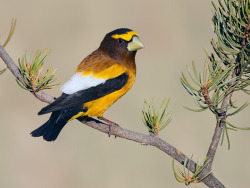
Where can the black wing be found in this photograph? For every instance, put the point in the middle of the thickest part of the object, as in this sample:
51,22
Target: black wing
66,101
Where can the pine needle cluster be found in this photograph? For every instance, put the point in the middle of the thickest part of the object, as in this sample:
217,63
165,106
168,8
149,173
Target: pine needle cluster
227,69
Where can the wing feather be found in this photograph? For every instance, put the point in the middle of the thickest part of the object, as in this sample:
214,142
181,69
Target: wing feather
78,98
80,82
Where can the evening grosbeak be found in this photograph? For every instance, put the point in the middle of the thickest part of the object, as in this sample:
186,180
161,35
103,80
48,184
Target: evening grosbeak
100,80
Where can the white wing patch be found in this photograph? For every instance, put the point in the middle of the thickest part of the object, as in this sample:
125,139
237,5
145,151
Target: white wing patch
79,82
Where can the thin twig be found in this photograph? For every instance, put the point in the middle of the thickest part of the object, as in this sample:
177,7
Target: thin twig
210,181
219,126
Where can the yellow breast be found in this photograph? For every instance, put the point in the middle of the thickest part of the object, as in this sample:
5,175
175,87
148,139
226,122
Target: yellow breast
99,106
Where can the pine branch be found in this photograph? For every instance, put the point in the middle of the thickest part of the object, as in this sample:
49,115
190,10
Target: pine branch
221,120
153,140
44,97
218,129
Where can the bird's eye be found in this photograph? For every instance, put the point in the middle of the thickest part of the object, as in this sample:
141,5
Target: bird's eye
121,41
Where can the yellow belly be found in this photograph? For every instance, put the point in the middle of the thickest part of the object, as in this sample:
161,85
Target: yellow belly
99,106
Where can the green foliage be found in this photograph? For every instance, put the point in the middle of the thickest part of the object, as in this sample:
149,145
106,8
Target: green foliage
185,175
214,79
229,126
12,29
2,71
231,26
228,69
156,120
31,72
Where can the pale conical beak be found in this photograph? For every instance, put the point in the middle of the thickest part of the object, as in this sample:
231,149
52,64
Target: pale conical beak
135,44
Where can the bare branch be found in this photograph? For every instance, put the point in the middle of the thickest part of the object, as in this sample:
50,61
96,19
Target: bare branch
151,140
10,64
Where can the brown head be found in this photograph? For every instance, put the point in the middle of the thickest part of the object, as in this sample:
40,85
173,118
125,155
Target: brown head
121,45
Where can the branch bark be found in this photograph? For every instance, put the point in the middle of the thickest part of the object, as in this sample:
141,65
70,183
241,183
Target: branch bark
218,129
155,141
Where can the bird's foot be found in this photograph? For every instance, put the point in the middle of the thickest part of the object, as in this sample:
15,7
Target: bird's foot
111,124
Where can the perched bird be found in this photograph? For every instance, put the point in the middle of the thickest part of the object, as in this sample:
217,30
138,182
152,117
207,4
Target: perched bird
100,80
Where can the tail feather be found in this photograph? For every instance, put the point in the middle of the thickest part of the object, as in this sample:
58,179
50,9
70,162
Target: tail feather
51,129
58,119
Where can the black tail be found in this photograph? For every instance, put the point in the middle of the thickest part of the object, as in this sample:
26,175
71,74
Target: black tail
51,129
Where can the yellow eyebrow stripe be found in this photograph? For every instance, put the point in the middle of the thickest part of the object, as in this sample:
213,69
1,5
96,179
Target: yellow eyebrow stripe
127,36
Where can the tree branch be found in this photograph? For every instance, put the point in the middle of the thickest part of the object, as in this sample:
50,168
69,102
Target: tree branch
44,97
222,118
218,129
153,140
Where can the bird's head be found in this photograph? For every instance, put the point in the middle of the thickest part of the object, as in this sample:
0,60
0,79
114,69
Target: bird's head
121,42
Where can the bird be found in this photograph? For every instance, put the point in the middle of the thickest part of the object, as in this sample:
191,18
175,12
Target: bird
100,80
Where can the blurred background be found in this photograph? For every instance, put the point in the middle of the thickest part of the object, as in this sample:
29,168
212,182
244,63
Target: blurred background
174,34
